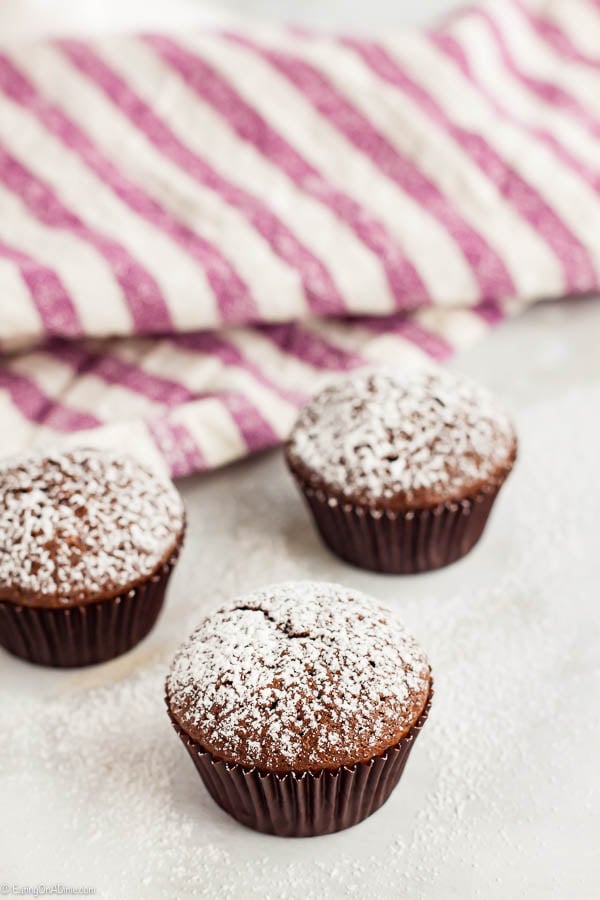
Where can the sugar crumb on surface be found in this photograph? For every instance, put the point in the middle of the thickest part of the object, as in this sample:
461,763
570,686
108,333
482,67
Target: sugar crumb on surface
97,789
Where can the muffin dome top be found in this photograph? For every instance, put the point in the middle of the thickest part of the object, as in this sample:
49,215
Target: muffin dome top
298,676
402,441
82,525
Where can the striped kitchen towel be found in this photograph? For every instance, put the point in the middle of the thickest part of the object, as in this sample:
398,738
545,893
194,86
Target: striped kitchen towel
196,231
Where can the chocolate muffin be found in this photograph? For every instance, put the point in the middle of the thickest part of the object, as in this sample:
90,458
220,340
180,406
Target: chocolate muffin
88,541
299,705
401,471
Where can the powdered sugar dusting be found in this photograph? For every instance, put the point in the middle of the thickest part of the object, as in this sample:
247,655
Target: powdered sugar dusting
500,796
82,524
425,436
298,676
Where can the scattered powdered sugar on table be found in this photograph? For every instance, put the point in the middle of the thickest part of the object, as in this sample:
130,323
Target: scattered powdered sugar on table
82,524
498,796
297,676
379,435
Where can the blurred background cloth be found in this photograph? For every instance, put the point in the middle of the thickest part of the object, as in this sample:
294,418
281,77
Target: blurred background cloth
197,230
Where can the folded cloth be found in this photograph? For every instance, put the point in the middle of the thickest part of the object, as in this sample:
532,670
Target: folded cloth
197,230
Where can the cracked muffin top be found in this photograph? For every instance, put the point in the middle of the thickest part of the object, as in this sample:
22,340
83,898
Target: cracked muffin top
82,525
299,677
403,441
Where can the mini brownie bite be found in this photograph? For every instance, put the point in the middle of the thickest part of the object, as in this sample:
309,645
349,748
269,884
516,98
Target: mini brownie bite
401,471
298,704
88,540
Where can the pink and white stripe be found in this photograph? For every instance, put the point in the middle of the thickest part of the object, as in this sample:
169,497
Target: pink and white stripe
198,231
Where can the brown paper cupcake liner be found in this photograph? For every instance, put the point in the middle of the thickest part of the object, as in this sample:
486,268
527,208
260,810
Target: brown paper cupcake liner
87,634
400,543
306,804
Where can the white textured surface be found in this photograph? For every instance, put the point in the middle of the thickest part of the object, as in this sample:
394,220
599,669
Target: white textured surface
500,799
59,16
